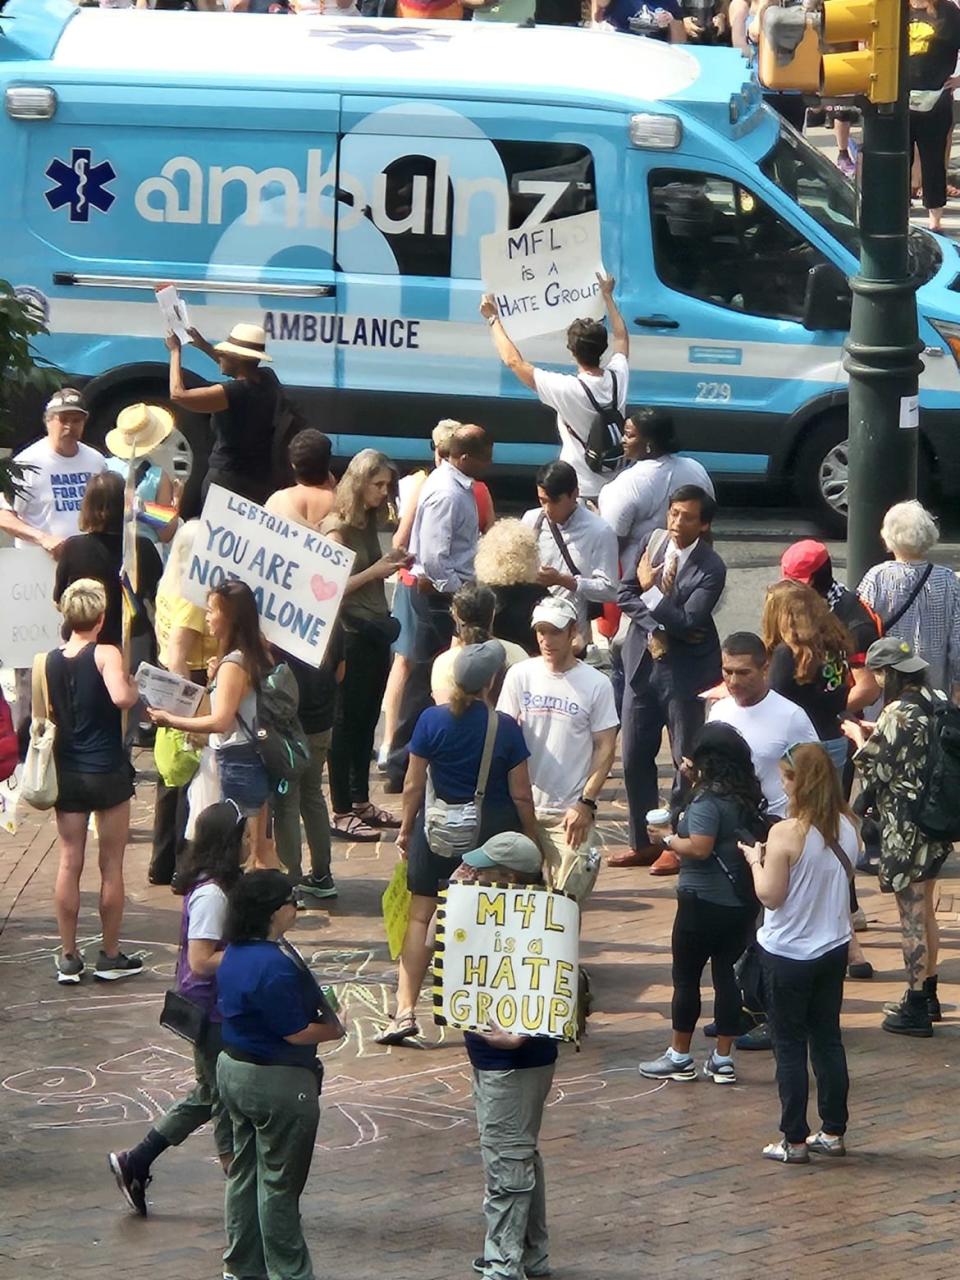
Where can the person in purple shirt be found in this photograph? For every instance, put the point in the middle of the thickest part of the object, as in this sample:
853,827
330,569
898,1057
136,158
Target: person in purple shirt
211,868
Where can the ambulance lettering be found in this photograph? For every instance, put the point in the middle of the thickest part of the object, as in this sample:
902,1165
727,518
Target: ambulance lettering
342,331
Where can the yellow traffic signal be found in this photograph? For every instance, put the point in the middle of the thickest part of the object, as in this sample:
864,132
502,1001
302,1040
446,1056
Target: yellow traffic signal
792,49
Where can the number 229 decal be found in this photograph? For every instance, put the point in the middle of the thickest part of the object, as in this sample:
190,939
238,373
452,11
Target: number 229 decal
721,391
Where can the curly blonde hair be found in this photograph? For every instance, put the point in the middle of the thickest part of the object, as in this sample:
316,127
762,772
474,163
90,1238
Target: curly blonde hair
507,554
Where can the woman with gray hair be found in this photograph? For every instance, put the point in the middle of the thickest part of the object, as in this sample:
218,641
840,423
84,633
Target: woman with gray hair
917,601
368,632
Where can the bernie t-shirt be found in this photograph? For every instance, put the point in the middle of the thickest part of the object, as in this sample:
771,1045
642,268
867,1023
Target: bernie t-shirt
54,487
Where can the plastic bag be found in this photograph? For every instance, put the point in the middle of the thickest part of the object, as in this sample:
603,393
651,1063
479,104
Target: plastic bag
204,790
176,760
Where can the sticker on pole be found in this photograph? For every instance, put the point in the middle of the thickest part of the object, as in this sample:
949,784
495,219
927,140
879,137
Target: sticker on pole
909,412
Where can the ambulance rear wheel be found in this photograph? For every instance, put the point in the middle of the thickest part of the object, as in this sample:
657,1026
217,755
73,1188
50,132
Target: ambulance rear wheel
821,474
183,455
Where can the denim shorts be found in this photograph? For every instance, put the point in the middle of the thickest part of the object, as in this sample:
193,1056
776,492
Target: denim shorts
243,779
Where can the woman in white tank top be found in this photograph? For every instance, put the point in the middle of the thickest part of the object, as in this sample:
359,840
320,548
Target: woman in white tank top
802,877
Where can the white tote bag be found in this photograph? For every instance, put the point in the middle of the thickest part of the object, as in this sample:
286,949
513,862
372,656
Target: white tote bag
204,790
38,784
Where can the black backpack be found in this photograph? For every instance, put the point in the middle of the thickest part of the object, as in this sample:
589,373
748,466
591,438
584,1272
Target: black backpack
603,447
938,806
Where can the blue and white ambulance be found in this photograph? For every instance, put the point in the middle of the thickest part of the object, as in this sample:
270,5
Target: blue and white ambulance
331,180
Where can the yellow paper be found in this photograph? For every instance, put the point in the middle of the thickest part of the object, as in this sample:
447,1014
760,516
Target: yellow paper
396,909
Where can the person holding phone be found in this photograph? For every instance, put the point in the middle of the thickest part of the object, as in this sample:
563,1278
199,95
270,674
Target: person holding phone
716,905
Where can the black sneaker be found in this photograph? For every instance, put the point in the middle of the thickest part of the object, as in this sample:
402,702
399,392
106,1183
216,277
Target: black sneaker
758,1038
133,1188
318,886
69,967
112,968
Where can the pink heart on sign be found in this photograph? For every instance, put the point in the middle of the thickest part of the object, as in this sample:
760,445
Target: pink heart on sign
321,588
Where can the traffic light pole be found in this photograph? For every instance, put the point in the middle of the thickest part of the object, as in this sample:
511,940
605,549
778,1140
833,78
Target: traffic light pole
882,351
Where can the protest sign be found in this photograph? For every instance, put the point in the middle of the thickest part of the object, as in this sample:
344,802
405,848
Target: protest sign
396,909
507,956
173,311
297,575
544,277
29,620
167,691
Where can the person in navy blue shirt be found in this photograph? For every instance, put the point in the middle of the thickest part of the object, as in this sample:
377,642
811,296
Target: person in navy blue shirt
655,19
449,741
512,1078
274,1016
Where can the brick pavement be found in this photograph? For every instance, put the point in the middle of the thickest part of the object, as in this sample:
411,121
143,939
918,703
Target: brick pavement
644,1178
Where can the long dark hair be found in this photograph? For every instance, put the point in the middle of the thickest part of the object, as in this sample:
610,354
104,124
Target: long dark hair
723,766
214,852
473,609
252,902
240,606
897,683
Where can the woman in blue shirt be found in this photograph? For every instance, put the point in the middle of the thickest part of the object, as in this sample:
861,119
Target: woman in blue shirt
269,1078
449,740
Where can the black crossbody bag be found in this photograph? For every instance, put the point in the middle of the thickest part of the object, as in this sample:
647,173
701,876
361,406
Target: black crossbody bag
594,608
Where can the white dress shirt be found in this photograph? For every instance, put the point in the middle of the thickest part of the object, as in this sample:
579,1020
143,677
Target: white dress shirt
592,546
443,541
634,503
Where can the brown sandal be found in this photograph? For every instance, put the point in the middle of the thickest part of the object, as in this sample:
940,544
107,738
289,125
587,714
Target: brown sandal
374,817
402,1027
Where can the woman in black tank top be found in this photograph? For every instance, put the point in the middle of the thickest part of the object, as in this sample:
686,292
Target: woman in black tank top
87,689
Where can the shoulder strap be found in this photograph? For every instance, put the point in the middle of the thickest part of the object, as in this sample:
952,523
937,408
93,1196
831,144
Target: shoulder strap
487,758
836,848
561,542
40,699
598,408
895,617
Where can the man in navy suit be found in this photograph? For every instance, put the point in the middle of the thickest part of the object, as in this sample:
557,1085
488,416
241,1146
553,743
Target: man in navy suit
670,656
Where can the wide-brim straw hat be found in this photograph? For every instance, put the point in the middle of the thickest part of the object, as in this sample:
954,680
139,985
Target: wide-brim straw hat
140,429
248,341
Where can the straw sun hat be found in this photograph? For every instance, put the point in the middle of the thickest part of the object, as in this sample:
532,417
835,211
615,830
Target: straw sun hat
140,429
248,341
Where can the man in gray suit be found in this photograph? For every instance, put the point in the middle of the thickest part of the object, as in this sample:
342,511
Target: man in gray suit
671,655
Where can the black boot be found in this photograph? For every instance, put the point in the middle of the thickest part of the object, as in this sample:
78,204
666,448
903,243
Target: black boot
933,1000
912,1018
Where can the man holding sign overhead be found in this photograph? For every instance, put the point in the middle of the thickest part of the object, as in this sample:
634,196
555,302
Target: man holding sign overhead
596,392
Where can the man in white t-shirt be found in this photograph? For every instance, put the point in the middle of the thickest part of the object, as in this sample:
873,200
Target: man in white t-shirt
567,393
769,722
56,471
569,721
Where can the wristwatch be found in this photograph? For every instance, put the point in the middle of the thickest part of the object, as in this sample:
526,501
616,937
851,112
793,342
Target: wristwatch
667,841
591,804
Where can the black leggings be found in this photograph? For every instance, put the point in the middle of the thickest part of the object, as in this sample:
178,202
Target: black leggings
703,931
929,131
359,698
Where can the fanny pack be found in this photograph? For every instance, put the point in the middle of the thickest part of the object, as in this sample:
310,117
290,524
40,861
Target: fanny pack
452,830
924,99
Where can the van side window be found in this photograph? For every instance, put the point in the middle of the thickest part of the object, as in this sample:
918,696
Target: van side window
424,204
719,242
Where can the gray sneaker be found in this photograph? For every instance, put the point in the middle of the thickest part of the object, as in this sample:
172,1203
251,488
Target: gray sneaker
666,1069
317,887
719,1072
825,1144
69,967
112,968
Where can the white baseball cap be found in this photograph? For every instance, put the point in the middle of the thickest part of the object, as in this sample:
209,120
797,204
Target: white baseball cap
556,611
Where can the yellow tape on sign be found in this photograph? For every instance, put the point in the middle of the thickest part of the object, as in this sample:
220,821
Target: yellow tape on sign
396,909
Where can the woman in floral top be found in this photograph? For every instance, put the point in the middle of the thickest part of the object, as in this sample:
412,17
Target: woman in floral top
893,764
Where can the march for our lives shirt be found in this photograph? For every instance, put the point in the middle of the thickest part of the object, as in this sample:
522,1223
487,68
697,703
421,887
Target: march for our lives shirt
559,713
54,487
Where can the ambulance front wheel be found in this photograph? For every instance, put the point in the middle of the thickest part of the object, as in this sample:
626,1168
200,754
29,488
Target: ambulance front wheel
183,455
821,474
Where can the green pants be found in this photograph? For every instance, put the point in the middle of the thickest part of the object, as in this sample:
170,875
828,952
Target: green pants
304,798
202,1103
509,1113
275,1111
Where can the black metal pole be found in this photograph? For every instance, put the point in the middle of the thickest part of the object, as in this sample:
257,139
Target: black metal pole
882,351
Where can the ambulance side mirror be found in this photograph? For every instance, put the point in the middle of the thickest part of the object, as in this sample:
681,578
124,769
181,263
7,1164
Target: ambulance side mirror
828,300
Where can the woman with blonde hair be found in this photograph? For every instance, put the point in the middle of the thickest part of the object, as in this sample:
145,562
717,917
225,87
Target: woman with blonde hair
802,877
368,632
87,688
508,560
917,601
809,650
473,609
450,742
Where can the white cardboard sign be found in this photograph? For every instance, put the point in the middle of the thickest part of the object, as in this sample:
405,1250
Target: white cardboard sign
297,575
507,956
29,620
544,277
